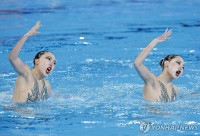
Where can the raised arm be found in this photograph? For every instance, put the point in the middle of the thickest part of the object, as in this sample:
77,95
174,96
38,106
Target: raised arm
16,62
143,71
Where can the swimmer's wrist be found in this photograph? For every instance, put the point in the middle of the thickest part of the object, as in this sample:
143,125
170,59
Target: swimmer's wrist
156,40
27,35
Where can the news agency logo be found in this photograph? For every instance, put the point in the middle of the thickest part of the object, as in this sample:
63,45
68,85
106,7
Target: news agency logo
146,126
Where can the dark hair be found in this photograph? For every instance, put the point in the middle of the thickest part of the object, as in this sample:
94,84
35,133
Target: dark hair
167,58
38,55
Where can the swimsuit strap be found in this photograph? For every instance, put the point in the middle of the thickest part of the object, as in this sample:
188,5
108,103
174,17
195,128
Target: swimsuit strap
173,93
164,95
44,94
35,91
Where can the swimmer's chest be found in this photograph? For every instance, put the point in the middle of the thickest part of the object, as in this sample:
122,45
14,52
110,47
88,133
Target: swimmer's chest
164,88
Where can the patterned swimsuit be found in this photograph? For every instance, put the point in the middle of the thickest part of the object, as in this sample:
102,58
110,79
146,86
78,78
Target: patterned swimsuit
36,95
164,95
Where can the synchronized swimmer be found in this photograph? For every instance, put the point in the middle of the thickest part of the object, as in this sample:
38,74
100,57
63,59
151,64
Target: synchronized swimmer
30,84
160,88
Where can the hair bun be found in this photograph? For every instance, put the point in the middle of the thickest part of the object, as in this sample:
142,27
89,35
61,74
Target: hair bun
162,63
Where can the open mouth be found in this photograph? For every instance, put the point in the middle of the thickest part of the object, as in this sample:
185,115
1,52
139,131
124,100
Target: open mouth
178,73
48,70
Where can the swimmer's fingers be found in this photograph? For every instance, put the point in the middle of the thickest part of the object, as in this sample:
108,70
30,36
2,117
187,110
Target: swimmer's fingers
165,36
37,32
33,29
168,38
167,33
38,25
166,30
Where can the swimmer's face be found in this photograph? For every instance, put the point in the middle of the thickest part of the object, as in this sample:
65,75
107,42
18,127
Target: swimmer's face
46,63
175,67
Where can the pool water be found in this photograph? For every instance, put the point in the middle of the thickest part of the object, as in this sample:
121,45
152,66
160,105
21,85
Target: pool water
97,89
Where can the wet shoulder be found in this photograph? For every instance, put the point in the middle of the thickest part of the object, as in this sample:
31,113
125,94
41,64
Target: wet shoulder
151,92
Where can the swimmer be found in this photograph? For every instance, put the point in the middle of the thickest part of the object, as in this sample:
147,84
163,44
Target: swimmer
30,84
160,88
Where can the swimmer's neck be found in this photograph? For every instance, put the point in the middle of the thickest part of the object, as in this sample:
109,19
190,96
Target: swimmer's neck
165,78
37,74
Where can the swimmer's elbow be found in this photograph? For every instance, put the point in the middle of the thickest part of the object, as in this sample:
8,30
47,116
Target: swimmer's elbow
11,58
136,64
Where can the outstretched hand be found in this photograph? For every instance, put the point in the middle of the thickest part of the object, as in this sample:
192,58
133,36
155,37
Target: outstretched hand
165,36
33,29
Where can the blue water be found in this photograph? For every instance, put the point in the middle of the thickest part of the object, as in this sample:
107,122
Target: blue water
95,43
